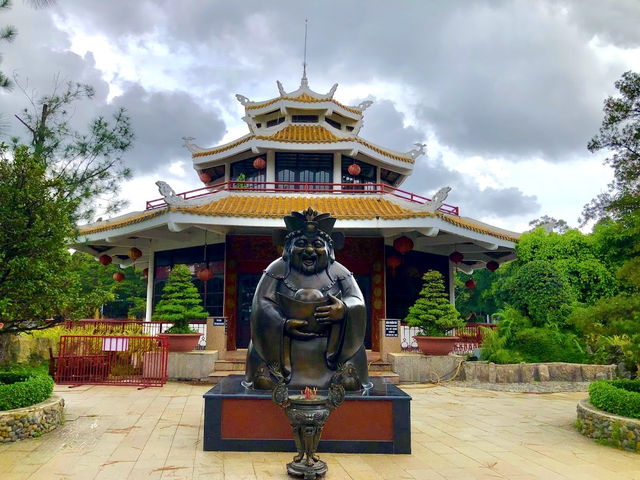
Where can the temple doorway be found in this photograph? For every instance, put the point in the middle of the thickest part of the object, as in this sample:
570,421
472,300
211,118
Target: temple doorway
247,283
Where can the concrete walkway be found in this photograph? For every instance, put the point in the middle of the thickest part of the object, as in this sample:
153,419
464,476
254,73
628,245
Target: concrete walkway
458,433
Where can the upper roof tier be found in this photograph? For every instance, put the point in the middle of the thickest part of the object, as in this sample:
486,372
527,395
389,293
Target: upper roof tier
302,120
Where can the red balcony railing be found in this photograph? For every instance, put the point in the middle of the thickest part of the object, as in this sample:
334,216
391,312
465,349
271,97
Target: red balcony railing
302,187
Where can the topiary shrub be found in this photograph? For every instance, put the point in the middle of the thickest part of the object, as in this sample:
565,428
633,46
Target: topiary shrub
23,388
620,397
433,313
180,301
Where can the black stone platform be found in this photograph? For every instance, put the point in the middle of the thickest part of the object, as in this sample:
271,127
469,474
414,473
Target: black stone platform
240,419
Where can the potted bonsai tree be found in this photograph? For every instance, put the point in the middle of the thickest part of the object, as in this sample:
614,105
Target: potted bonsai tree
179,303
434,316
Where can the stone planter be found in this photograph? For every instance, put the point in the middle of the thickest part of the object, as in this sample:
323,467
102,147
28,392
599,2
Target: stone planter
621,432
181,342
436,345
31,421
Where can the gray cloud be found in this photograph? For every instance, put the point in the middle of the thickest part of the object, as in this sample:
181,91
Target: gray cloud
613,22
160,120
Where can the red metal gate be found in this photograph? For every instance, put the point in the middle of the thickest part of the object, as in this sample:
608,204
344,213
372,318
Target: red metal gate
111,360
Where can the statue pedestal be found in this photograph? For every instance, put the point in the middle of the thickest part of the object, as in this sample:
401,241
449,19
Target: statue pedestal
239,419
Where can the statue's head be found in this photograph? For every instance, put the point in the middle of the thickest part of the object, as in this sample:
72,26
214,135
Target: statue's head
308,246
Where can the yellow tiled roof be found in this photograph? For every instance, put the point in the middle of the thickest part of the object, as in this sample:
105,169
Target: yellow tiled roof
302,134
108,225
343,207
304,98
305,134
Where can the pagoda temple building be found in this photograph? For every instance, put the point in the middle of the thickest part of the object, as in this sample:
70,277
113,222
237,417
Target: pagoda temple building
303,150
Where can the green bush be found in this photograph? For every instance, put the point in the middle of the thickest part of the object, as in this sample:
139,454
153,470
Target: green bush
547,345
620,397
22,388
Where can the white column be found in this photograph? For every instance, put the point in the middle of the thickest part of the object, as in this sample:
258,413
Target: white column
150,278
271,166
337,169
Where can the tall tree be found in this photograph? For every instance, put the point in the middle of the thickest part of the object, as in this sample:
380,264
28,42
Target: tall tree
36,290
89,165
620,135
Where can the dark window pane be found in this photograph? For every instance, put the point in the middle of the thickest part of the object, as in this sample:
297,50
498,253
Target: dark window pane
250,173
304,118
310,168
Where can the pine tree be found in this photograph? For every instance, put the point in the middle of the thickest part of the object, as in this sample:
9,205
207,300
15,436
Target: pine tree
432,313
180,301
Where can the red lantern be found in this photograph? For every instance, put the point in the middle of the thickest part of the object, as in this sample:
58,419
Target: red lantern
393,262
492,266
134,253
470,284
145,272
403,244
205,177
105,260
259,163
205,275
118,276
456,257
354,169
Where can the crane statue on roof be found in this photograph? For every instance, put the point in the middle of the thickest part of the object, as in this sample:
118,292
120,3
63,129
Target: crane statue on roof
437,200
169,194
416,152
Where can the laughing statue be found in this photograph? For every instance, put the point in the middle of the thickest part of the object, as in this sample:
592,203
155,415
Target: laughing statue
308,316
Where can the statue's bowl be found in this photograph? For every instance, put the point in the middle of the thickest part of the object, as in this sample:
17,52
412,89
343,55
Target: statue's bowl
293,308
300,400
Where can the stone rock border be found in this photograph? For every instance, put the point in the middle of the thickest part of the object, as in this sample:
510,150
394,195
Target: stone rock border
535,372
32,421
622,432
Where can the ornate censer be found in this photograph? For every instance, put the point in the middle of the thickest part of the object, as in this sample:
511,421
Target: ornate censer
307,412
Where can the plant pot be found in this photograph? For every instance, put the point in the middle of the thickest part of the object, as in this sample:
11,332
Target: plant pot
436,345
181,342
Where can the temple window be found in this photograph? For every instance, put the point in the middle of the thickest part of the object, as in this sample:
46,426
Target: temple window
312,168
247,173
304,118
275,121
333,123
388,176
349,129
368,173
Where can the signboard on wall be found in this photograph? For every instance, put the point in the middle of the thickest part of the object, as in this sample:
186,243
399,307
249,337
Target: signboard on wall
391,327
219,321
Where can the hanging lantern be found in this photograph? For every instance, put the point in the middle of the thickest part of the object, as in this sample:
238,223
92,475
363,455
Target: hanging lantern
205,275
470,284
354,169
456,257
118,276
492,266
105,260
259,163
393,262
205,177
403,244
145,272
134,253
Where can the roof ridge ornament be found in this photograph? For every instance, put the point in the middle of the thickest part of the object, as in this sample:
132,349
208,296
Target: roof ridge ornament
364,105
169,194
437,200
281,89
192,147
244,101
416,152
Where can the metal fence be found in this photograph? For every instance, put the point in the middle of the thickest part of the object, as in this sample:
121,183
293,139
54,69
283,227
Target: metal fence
111,360
144,328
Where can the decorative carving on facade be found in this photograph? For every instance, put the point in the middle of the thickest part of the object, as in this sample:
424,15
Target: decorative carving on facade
169,194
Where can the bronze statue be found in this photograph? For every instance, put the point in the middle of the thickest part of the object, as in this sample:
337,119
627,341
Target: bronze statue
308,315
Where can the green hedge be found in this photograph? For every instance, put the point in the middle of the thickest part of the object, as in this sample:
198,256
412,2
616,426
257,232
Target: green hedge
23,388
620,397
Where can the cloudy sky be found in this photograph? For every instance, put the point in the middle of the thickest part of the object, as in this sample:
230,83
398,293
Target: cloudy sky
505,93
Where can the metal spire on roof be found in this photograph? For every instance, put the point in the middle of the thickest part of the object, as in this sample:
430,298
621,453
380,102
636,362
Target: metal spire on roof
304,82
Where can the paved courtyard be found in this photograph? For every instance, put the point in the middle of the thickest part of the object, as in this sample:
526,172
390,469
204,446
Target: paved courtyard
458,433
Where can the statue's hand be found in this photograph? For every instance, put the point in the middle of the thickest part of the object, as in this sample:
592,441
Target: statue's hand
292,326
331,313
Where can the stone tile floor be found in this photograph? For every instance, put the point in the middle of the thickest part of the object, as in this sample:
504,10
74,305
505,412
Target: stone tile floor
458,433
